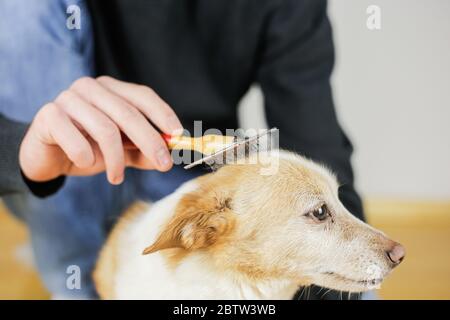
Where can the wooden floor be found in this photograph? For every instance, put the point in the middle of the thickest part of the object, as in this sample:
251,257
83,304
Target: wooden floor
423,228
18,280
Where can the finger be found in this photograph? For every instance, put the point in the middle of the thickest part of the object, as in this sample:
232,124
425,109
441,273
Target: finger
101,129
135,158
98,166
67,136
129,119
147,101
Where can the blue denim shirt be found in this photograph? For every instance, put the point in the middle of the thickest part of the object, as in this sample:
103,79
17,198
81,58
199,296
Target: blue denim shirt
39,58
39,55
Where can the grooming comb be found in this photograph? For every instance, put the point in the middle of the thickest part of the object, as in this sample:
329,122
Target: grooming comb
218,148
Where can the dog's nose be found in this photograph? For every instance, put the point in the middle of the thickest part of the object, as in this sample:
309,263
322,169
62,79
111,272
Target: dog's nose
396,253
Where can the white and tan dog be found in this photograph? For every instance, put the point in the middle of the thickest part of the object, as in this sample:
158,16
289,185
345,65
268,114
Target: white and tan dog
237,234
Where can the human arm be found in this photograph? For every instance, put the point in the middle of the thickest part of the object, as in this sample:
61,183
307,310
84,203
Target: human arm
295,77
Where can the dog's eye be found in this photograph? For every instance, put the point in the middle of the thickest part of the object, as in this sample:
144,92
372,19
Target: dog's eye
321,213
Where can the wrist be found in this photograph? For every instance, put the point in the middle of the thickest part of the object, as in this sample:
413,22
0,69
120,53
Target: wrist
44,189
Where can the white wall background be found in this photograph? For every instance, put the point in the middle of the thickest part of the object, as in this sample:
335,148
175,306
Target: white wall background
392,93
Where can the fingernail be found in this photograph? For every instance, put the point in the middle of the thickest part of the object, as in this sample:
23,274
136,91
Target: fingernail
174,125
118,180
164,158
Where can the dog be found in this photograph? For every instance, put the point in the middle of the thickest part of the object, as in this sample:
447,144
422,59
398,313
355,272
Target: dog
239,234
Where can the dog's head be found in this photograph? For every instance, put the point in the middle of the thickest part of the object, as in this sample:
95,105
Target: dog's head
289,225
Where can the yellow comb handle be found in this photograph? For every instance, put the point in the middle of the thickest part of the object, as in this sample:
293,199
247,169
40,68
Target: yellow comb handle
206,145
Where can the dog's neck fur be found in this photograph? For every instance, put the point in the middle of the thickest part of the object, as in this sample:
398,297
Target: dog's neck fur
193,277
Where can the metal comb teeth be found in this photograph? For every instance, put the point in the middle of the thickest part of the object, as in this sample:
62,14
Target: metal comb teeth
241,148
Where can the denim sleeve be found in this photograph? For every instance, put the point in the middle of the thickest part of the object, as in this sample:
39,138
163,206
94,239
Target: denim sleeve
39,55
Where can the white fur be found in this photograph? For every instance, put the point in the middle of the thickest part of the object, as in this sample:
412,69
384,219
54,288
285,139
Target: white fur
148,276
275,235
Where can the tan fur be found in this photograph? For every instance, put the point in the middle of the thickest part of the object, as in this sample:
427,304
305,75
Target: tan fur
199,222
259,228
200,206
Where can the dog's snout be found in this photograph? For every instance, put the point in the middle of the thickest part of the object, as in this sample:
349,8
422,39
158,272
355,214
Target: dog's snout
396,253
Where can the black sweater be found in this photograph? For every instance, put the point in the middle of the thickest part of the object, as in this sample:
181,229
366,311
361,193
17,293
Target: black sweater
201,56
11,134
11,178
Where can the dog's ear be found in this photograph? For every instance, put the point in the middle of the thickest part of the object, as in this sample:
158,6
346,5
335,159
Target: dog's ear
200,221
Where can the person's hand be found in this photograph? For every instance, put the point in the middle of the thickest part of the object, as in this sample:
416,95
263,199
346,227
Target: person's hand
97,125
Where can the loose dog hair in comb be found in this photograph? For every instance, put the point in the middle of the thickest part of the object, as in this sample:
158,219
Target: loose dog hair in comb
219,150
